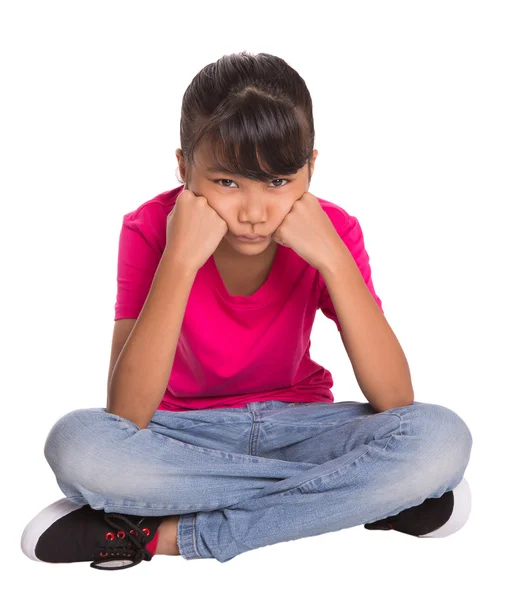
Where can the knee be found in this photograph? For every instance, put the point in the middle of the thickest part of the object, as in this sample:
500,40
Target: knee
64,445
80,441
444,431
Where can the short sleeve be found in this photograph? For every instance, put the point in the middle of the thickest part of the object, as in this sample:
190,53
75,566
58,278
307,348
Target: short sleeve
138,258
350,232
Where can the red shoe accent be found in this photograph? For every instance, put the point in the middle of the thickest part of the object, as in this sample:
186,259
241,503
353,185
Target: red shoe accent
152,546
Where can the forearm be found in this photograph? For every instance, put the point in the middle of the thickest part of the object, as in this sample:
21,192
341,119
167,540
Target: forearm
377,358
143,368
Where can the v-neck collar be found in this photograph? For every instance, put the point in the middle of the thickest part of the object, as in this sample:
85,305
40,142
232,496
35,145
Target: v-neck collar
262,295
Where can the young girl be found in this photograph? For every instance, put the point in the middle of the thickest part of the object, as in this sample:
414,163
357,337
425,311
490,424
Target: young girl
220,433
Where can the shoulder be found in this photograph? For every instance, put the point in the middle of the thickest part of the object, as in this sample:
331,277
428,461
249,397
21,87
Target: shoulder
343,221
150,218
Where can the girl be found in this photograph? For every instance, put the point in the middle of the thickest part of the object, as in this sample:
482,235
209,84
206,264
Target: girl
220,433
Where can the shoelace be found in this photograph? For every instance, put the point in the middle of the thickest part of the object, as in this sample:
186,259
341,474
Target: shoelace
117,547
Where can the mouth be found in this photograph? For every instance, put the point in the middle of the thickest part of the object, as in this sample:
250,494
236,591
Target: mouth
245,238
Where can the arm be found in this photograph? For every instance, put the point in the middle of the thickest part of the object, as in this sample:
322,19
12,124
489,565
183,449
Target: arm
121,331
143,369
377,358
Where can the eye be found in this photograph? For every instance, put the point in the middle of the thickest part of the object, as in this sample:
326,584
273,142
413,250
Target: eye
286,180
217,180
274,180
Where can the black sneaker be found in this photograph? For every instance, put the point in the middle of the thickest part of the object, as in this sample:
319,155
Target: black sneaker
421,519
435,517
66,532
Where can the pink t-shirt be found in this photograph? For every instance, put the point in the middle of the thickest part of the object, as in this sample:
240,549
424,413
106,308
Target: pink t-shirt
233,350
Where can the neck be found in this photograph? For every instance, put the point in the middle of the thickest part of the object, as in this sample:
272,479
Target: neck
227,252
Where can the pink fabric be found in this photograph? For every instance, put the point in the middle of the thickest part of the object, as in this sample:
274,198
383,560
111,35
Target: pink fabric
233,350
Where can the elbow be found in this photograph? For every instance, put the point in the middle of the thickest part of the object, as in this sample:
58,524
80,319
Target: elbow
134,417
395,401
140,424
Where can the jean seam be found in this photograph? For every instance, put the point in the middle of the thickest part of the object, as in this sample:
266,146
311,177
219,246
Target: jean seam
194,534
326,475
187,547
400,432
178,536
170,439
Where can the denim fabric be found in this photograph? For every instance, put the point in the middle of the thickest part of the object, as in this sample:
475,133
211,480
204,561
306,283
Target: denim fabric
243,478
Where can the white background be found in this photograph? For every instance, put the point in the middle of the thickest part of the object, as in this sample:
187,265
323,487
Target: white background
414,120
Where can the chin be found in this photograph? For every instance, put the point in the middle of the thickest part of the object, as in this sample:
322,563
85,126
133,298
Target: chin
250,248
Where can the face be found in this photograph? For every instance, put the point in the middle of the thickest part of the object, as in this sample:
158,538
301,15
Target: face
250,208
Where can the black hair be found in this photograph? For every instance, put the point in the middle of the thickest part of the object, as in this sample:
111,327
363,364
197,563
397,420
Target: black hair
253,112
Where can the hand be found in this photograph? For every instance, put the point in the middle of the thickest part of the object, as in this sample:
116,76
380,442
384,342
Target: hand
308,231
193,230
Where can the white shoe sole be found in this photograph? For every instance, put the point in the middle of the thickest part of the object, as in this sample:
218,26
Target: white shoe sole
460,513
41,522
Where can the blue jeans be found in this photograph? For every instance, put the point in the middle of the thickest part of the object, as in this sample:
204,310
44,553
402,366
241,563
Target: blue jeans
243,478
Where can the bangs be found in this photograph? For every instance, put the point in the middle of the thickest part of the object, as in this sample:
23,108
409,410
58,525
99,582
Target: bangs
256,136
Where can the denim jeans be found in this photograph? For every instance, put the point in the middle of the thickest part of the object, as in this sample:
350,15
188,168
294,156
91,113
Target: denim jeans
273,471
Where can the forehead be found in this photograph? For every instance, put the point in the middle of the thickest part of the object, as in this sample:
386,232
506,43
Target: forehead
207,163
210,165
212,168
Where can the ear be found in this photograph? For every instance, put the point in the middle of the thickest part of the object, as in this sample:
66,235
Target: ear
312,164
180,161
312,160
